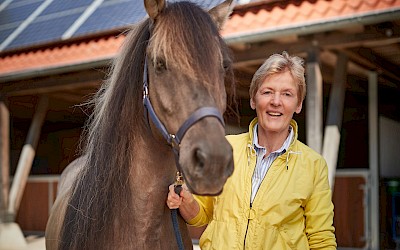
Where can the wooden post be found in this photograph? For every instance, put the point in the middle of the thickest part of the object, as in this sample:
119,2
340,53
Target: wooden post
373,129
26,158
314,102
334,118
4,158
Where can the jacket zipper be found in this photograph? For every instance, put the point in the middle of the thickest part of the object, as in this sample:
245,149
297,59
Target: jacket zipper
247,228
251,152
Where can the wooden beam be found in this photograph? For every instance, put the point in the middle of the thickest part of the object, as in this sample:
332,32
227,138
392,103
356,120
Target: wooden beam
369,59
27,156
4,158
70,97
39,90
50,84
372,35
314,101
258,53
334,118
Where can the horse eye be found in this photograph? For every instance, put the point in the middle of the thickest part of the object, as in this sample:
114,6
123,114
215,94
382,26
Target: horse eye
160,66
226,64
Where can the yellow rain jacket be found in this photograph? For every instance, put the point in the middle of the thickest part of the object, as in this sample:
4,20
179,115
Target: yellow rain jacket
291,210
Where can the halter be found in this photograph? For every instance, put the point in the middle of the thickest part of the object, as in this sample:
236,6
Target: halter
174,140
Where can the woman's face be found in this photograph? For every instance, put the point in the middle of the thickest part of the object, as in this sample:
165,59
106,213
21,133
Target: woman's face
275,102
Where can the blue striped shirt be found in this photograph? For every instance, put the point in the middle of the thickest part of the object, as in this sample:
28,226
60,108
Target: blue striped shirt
264,163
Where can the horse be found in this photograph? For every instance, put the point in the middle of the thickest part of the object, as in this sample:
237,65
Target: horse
159,109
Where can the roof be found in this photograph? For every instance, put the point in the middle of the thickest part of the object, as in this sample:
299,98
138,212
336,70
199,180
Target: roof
257,20
264,17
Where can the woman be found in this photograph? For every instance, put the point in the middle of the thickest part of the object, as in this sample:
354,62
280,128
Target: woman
278,196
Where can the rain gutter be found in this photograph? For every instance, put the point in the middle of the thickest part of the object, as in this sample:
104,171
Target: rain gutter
305,28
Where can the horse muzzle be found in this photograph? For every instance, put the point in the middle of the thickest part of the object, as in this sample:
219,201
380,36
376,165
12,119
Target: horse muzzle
206,159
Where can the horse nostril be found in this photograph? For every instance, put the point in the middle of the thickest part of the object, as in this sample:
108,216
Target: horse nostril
200,158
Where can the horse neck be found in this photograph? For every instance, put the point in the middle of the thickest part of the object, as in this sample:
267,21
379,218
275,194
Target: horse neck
155,164
149,181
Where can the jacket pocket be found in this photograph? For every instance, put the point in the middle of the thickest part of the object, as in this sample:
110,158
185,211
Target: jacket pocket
287,239
219,235
277,238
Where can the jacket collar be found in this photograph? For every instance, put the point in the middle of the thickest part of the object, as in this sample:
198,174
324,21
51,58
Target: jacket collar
253,123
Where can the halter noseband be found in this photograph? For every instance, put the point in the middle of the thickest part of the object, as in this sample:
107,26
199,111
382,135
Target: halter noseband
174,140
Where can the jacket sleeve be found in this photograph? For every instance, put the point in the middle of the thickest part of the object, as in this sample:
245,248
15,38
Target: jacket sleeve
319,211
206,204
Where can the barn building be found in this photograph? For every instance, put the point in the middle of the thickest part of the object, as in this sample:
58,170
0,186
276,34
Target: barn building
55,54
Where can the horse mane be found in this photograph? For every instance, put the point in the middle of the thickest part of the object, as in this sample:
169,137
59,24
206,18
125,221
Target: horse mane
101,192
101,197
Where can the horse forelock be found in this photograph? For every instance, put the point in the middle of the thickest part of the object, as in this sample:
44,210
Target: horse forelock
185,36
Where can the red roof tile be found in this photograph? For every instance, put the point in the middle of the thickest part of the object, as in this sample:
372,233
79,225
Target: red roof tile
61,56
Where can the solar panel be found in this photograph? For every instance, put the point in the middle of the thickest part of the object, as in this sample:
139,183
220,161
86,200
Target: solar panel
17,12
113,14
5,33
206,4
52,22
62,19
25,1
44,31
61,6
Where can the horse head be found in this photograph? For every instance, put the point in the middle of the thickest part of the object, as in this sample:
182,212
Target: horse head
187,68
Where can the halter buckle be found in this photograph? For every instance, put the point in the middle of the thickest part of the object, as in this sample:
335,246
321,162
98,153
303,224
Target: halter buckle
179,181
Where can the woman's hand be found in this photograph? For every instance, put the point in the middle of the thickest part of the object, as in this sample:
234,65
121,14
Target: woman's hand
175,201
188,206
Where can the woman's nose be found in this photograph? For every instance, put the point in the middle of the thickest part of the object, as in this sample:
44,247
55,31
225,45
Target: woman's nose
275,99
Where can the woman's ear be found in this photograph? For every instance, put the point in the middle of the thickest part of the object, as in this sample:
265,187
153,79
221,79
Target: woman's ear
298,109
252,104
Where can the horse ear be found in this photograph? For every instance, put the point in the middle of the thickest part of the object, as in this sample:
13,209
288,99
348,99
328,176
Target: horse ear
154,7
221,12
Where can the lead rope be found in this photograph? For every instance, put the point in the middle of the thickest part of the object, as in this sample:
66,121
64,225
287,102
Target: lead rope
174,212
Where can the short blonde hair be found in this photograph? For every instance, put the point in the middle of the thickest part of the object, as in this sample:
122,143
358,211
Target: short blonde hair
279,63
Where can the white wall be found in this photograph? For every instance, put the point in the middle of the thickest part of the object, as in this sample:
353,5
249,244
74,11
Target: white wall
389,147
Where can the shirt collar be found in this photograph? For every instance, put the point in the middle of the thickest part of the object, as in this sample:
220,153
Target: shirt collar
284,147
